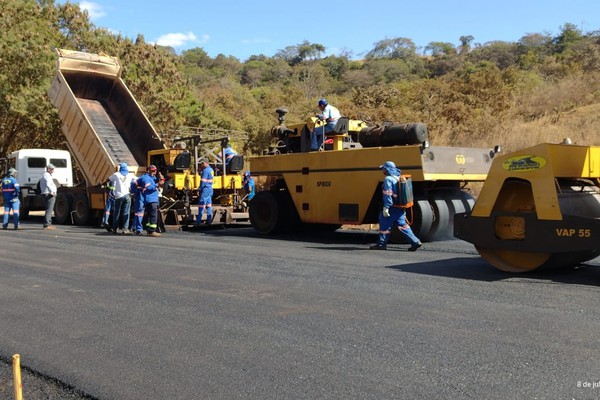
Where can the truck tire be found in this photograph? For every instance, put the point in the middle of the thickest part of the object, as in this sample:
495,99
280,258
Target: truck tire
62,208
81,209
288,220
264,213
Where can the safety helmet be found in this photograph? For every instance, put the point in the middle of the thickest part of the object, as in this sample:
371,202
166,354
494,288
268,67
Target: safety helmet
12,172
390,168
247,174
151,168
322,102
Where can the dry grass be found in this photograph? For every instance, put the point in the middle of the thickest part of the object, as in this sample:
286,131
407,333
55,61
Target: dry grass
581,125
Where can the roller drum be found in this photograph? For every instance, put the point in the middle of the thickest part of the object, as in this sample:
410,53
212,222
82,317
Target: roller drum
393,135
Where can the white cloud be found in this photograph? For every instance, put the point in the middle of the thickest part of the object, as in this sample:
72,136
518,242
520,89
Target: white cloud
95,10
179,39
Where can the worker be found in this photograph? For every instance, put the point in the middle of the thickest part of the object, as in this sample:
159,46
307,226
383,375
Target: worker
121,181
109,206
249,186
48,191
138,207
229,154
392,212
10,194
329,115
149,185
205,192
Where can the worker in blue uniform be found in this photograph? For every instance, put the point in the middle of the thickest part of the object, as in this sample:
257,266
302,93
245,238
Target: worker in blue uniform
229,154
149,185
10,194
138,207
205,192
393,212
249,185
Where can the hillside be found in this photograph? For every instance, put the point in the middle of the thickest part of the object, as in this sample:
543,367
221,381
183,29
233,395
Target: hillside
581,125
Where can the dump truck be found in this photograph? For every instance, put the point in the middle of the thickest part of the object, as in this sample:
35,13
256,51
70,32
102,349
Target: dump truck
538,209
104,126
341,184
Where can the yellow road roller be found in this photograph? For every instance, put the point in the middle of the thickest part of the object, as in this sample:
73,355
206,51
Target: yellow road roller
539,208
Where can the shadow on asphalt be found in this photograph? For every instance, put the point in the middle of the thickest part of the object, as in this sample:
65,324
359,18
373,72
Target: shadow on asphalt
336,237
474,268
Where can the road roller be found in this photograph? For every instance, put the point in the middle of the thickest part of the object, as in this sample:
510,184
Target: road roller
539,208
341,183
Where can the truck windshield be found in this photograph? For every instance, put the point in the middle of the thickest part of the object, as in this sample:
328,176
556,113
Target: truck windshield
59,162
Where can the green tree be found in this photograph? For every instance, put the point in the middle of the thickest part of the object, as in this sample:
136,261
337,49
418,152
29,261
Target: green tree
503,54
465,44
438,49
403,48
26,63
304,51
569,36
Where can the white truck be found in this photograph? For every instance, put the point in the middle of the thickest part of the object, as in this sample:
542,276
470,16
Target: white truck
31,164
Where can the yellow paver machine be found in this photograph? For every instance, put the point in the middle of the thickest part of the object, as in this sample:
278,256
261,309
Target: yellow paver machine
539,208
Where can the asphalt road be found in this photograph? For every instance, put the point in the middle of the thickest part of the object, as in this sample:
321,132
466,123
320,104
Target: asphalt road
224,314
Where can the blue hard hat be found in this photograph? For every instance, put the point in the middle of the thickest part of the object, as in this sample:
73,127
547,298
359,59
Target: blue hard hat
390,168
322,102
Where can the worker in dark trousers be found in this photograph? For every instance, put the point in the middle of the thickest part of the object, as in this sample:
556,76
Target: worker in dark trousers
392,212
149,187
138,207
109,206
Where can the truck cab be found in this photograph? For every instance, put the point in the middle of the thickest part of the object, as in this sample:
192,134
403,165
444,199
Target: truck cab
31,164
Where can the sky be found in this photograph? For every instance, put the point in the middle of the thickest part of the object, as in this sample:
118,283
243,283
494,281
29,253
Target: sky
252,27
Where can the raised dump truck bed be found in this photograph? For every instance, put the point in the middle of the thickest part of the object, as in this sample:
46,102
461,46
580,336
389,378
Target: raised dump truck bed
103,126
102,122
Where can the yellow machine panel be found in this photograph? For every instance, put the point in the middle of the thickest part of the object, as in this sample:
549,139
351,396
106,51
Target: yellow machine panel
539,207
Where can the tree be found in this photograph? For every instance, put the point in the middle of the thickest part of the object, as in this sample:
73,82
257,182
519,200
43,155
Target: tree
503,54
26,65
465,44
403,48
439,49
304,51
569,36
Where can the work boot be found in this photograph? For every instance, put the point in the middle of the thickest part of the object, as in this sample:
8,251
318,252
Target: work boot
378,247
17,227
414,247
154,234
49,227
5,227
